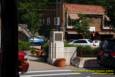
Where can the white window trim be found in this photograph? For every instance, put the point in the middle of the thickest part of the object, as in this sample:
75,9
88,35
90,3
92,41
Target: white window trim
106,27
70,26
57,21
48,20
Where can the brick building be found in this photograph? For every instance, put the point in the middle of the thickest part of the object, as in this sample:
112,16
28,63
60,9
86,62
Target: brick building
60,15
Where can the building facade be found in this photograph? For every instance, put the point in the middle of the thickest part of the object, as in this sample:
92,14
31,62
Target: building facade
60,15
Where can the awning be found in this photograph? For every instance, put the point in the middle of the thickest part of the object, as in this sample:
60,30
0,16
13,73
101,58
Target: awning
72,32
74,16
106,33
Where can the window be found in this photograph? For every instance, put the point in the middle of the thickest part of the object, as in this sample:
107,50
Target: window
92,41
76,42
107,24
80,41
48,21
57,21
71,22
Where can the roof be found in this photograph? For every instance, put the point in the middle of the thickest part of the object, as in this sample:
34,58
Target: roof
84,9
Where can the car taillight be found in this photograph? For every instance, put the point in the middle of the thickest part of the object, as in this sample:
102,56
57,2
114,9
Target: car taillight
113,54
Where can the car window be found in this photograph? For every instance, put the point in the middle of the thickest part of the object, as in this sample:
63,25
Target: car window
80,41
77,41
90,41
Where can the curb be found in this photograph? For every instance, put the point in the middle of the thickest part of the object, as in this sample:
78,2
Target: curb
82,62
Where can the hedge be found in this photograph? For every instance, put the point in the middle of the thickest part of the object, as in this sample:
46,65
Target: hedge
86,51
23,45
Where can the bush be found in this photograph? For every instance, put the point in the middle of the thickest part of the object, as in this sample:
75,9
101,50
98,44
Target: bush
33,50
46,46
86,51
23,45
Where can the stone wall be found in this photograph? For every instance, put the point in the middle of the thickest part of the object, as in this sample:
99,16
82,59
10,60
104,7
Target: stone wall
69,54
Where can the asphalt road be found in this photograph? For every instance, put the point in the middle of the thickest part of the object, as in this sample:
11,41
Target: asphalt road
69,73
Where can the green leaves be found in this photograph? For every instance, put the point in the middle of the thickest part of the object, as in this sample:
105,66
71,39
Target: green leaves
87,51
82,26
29,13
23,45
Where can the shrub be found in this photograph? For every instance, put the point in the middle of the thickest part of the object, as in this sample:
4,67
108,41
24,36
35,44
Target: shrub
86,51
33,50
46,46
23,45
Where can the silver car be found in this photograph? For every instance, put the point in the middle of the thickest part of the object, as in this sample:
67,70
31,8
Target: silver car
82,42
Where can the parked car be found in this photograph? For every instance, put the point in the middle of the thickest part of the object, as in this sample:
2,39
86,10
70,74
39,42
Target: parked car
83,42
106,53
23,63
39,40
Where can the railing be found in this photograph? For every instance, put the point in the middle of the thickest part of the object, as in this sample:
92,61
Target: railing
25,31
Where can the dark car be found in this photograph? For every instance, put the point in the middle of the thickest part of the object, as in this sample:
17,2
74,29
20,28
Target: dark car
106,54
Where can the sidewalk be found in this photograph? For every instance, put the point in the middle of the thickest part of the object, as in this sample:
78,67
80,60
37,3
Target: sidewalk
35,66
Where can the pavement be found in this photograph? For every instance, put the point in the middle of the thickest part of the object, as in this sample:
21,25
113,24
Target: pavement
36,63
41,69
39,65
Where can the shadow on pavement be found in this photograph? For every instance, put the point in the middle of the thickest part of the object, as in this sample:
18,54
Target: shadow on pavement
93,65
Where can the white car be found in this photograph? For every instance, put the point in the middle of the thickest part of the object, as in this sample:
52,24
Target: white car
82,42
96,43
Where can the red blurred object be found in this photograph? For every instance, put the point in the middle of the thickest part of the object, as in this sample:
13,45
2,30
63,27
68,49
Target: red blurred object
113,54
101,53
23,63
21,55
24,67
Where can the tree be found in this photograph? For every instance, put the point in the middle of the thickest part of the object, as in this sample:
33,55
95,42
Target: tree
45,30
82,27
29,12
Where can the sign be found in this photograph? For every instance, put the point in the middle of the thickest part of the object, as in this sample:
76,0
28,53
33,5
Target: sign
92,29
